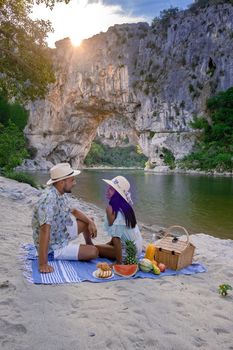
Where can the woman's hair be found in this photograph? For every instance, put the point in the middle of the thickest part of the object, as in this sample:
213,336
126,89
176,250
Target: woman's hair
117,203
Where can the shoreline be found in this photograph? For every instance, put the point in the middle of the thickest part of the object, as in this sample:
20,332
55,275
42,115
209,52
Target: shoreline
170,313
157,170
163,170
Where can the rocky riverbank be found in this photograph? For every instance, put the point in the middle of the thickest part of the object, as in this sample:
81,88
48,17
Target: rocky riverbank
30,165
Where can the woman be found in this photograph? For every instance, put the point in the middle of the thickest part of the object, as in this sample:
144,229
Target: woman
120,222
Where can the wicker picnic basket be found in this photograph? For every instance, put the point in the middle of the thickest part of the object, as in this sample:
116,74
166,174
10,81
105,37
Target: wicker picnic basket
174,252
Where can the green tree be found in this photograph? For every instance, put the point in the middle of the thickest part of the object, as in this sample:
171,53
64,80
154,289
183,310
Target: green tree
95,154
12,147
100,154
25,60
165,17
198,4
214,151
14,112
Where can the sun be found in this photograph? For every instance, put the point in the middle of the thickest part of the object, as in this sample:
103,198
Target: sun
75,40
78,19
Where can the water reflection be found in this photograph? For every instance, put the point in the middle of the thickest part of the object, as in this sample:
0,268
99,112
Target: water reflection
200,203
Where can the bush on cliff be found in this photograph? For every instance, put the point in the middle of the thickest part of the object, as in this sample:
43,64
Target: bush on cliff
214,151
199,4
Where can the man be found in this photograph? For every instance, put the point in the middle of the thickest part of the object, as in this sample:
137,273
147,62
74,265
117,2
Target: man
55,223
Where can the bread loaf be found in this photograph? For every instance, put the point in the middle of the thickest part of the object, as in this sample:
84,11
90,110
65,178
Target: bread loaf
103,274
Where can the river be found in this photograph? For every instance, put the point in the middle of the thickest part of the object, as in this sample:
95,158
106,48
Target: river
197,202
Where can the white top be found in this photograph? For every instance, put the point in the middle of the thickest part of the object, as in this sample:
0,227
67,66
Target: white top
119,229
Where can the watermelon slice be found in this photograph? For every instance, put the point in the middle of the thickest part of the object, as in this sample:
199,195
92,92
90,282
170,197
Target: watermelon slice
125,270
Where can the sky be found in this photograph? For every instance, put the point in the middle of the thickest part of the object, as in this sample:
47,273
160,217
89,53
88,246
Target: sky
81,19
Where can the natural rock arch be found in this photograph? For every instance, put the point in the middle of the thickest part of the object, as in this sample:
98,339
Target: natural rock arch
154,81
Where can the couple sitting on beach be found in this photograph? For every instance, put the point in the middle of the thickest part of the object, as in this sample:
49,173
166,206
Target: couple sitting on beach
55,224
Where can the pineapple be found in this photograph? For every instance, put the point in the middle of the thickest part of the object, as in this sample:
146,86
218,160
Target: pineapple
131,251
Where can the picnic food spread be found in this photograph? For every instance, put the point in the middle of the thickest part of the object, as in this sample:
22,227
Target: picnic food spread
168,252
126,270
150,251
131,250
104,270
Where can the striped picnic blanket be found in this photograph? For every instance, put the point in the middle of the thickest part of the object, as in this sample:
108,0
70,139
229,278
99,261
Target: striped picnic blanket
79,271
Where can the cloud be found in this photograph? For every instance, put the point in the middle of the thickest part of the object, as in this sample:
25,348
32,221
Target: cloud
81,19
146,8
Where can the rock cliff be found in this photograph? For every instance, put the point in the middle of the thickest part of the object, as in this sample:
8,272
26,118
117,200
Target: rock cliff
135,82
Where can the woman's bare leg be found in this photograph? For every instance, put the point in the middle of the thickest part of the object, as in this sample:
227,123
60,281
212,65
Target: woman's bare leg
106,251
111,251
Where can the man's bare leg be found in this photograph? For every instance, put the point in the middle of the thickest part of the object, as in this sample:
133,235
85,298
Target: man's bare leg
87,252
83,228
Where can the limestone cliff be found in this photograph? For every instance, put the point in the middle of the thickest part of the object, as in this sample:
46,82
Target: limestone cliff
153,79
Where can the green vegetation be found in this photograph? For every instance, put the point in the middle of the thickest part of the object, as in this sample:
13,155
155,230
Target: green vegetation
224,288
13,145
100,154
14,112
151,134
199,4
165,16
25,72
169,158
214,151
25,60
164,19
21,177
139,149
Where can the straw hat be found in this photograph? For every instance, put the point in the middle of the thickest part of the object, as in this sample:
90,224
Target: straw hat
61,171
121,185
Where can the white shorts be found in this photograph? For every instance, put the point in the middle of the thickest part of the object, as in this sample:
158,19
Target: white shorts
69,252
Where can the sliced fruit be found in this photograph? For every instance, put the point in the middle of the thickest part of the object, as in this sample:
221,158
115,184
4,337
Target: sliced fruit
125,270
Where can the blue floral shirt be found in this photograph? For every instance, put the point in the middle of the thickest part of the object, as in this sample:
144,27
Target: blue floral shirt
53,209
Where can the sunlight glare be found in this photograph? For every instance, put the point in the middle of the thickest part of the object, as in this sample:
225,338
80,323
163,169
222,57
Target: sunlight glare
81,20
75,41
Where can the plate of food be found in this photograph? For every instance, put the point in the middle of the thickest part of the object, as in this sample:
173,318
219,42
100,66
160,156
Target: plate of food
102,275
103,271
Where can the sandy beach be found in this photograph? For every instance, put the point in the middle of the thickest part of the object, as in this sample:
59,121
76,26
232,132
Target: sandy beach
172,313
